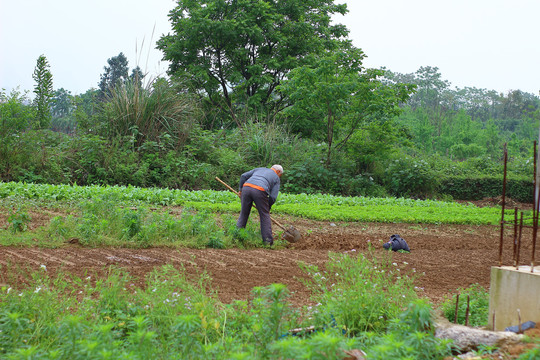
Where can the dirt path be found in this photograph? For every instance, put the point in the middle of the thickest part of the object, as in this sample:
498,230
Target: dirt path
450,256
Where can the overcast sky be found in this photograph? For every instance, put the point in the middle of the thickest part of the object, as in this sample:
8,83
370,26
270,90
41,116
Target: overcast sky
491,44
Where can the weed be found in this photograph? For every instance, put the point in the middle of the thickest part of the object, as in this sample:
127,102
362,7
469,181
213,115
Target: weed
411,336
132,223
486,349
172,316
19,220
532,354
216,242
373,288
478,306
247,237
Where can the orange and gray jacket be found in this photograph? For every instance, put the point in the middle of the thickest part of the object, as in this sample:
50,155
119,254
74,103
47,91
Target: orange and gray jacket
263,179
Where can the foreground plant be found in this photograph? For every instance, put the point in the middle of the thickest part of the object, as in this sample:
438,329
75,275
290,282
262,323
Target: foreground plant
411,336
359,293
173,316
478,306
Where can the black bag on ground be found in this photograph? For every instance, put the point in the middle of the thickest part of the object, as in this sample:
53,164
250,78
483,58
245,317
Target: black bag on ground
396,243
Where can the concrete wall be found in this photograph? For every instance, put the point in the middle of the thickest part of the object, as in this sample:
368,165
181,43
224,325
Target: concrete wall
511,290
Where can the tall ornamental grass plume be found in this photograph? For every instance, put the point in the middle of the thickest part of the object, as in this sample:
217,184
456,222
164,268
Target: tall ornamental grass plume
359,293
156,112
267,143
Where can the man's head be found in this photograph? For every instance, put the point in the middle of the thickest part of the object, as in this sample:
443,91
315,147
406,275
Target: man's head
278,169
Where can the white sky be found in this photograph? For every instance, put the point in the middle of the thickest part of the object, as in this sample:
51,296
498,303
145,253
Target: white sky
492,44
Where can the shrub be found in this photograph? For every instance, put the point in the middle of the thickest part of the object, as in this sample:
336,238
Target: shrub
478,306
410,337
405,177
360,293
483,186
147,113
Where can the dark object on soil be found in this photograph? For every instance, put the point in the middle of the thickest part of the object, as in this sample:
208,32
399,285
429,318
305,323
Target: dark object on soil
396,243
522,327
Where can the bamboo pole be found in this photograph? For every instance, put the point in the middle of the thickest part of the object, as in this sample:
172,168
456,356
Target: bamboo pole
536,202
467,311
519,241
515,234
456,311
503,205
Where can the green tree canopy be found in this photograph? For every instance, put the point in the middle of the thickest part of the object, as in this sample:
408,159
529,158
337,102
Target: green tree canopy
335,97
16,113
44,92
62,103
235,53
115,72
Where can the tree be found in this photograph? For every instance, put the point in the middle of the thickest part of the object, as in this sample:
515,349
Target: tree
116,72
44,92
87,110
62,103
137,76
235,53
336,96
16,114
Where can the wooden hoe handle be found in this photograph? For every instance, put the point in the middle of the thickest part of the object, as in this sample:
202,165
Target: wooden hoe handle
230,188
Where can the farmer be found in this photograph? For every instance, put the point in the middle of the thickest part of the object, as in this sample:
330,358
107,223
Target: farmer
260,185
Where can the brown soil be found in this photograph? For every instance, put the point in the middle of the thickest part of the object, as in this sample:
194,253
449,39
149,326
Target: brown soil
448,257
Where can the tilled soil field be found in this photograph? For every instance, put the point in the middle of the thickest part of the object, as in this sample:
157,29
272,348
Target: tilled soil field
446,257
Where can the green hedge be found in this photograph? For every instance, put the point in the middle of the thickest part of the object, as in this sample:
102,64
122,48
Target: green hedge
480,187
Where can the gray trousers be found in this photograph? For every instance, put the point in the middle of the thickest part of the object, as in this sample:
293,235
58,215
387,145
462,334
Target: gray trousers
260,198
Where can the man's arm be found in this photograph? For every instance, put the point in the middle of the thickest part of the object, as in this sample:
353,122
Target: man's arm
274,192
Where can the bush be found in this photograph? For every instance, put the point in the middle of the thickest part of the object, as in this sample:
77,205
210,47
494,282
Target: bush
35,156
359,293
478,306
310,175
412,337
147,113
409,177
483,186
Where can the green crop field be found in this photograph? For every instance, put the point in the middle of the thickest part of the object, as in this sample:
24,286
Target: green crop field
61,316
